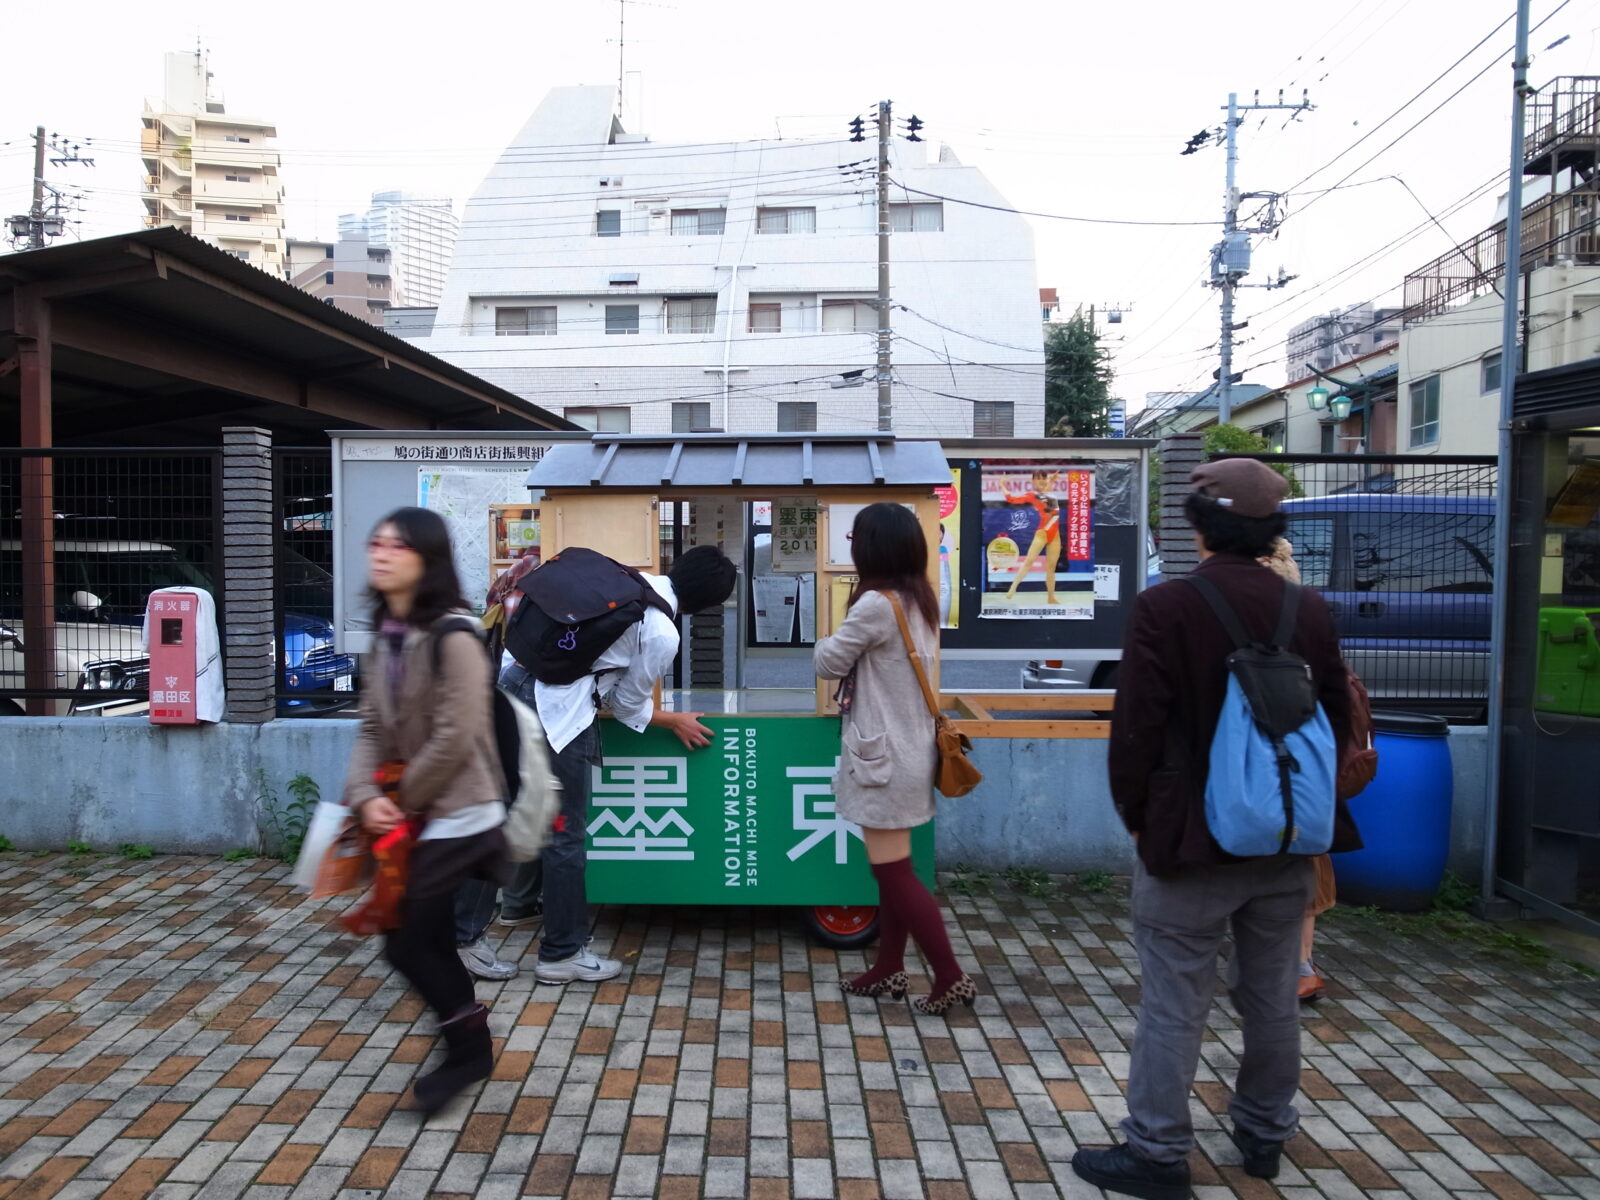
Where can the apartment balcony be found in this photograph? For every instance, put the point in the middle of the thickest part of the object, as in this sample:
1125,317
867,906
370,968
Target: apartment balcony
1558,229
1563,127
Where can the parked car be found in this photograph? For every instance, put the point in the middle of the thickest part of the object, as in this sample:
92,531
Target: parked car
102,587
1410,579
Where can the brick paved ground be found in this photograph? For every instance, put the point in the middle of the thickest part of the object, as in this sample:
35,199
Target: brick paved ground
188,1027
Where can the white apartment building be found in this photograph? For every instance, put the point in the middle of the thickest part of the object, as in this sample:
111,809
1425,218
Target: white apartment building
209,172
648,287
419,231
1450,364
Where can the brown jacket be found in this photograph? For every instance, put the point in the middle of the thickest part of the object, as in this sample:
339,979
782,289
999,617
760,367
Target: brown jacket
439,726
1170,690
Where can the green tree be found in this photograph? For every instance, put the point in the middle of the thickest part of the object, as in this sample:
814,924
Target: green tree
1231,439
1077,381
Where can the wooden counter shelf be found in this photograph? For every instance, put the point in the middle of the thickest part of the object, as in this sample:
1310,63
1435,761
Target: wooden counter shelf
973,713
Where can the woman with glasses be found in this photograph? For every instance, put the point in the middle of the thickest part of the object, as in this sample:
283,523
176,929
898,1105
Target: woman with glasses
424,757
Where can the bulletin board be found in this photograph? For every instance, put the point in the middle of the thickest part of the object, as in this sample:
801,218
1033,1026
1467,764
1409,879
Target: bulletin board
1007,499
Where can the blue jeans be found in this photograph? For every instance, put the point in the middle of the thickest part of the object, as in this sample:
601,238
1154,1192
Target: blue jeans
558,872
476,900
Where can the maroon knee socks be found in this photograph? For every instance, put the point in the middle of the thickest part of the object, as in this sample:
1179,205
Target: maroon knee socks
905,907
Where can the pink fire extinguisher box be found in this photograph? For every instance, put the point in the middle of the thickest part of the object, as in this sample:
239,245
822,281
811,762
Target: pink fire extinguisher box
180,631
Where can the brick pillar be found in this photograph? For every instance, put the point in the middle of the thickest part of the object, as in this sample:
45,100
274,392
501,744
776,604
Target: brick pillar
248,515
1180,454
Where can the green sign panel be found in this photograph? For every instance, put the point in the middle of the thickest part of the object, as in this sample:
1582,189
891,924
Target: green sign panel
748,819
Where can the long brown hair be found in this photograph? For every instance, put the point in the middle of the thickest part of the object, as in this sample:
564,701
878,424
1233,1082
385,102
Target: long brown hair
890,552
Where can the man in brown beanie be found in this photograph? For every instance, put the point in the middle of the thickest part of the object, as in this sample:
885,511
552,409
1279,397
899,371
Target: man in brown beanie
1188,893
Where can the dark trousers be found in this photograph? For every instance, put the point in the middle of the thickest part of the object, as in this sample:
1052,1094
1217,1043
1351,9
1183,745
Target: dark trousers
1178,927
423,949
558,872
475,903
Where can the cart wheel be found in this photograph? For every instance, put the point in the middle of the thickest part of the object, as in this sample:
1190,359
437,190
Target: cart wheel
843,926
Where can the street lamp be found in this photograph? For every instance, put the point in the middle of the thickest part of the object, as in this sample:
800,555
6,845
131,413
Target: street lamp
1340,408
1317,398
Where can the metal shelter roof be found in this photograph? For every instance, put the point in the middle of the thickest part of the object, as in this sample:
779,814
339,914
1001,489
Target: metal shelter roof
776,462
160,338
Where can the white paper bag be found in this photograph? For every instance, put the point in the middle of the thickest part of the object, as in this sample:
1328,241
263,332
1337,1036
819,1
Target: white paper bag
326,822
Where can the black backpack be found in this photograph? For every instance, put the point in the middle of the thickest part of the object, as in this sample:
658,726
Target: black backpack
573,607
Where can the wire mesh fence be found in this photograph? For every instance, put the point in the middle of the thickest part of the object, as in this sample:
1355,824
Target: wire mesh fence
124,523
1402,549
313,677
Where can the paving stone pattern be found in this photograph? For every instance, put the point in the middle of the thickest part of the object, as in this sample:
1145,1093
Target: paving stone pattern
188,1027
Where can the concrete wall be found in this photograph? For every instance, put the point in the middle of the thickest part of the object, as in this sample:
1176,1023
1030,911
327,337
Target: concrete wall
107,782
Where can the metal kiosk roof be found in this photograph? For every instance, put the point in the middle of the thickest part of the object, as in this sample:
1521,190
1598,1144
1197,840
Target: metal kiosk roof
723,462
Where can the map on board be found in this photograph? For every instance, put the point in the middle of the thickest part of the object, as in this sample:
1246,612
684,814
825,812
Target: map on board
462,496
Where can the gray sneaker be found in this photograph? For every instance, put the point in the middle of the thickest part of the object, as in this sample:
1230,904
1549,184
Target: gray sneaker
482,961
585,965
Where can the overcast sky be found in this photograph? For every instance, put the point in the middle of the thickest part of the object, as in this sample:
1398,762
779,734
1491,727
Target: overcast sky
1071,108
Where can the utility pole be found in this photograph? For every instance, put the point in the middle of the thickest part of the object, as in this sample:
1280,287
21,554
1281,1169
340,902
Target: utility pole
885,403
33,229
914,123
1230,258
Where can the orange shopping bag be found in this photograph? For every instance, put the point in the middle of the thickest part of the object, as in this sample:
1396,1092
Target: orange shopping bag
344,865
380,911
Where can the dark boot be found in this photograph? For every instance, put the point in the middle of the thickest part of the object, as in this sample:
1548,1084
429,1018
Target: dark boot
1261,1157
1120,1169
469,1057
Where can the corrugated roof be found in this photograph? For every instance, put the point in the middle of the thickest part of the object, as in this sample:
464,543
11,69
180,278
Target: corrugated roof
710,461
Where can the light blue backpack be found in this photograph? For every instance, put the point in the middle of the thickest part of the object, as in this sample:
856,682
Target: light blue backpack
1274,760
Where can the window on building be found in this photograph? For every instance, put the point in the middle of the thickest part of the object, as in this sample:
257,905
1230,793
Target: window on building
600,420
916,218
327,278
1329,439
703,221
234,137
993,418
797,416
1425,412
848,316
692,314
535,321
235,216
766,318
244,254
1491,372
329,253
1273,436
691,416
608,222
238,178
622,318
786,220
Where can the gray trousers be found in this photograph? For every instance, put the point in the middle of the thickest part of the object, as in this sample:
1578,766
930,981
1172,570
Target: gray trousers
1178,926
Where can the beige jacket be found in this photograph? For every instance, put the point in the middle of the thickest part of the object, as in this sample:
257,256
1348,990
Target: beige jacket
439,726
887,758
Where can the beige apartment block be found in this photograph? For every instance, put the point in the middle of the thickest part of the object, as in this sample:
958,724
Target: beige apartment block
209,172
350,274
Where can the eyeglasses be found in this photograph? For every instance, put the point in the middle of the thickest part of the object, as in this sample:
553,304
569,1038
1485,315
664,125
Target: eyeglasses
376,544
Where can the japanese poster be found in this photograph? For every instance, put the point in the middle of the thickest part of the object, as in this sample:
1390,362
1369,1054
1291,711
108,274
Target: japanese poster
749,819
1038,541
794,534
950,552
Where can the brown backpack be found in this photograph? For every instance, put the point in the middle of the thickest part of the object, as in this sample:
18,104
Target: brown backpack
1359,762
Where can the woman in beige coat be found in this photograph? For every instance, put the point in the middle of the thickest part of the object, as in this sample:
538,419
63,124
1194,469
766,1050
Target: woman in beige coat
884,781
425,714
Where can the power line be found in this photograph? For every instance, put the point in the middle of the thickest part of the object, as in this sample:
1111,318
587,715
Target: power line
1047,216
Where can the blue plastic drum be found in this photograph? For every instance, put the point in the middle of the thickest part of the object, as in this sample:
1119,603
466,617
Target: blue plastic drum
1403,815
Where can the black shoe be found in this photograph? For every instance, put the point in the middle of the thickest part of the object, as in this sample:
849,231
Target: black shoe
1261,1157
1120,1169
469,1057
512,918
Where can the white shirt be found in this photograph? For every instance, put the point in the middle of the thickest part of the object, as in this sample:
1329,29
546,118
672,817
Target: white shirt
628,672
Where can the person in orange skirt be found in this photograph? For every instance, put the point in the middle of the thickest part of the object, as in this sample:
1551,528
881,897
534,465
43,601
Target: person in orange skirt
1046,539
